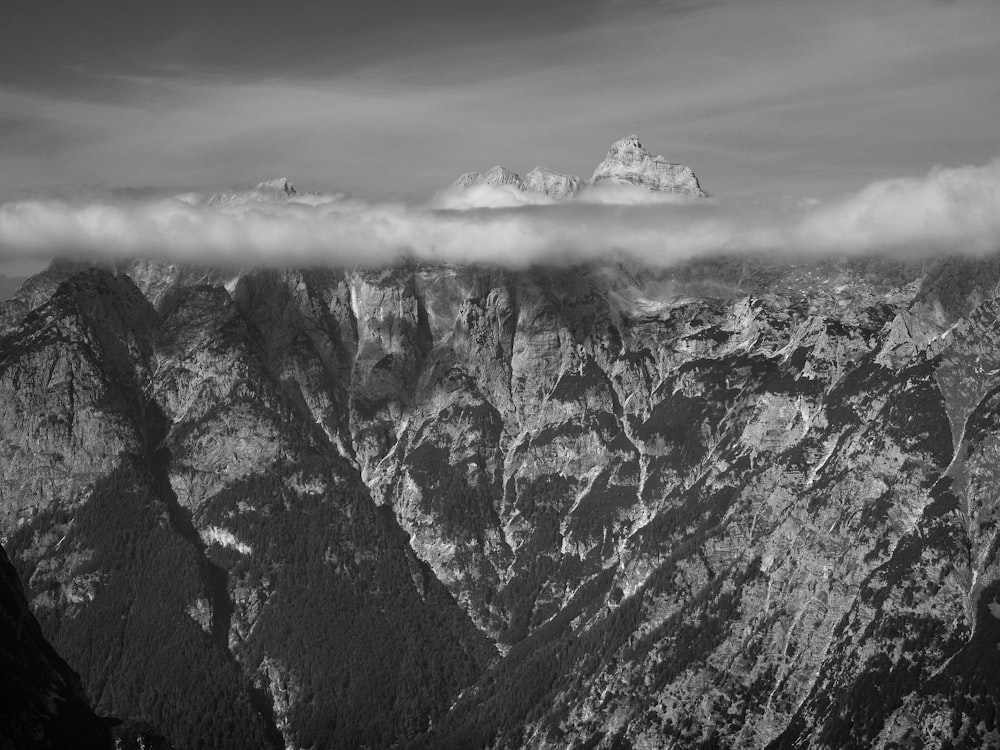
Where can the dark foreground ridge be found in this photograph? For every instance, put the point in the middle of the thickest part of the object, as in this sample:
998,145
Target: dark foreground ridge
42,699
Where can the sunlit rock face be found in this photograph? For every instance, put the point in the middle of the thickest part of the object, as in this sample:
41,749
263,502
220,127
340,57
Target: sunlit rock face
494,176
553,184
735,503
539,180
628,162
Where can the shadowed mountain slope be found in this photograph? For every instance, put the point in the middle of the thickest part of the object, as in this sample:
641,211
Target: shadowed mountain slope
43,701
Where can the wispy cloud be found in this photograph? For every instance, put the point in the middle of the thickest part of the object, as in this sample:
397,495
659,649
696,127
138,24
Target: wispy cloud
949,210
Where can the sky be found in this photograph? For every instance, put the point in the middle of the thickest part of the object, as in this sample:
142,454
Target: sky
767,100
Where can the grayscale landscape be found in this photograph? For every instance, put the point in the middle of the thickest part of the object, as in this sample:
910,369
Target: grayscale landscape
611,375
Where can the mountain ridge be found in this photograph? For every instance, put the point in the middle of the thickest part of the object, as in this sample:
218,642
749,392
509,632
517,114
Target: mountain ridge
627,163
737,502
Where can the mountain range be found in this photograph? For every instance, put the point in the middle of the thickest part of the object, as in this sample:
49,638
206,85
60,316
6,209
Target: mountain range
627,163
739,502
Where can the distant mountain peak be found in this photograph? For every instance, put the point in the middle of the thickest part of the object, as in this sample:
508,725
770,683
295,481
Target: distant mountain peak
495,176
280,184
628,162
277,188
553,184
628,143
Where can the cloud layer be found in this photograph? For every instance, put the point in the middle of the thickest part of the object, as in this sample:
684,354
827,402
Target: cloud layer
953,210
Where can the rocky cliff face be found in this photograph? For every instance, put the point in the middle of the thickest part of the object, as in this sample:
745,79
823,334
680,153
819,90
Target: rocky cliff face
495,176
198,541
554,184
628,162
732,504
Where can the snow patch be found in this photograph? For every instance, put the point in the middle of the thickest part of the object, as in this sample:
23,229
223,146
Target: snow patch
225,538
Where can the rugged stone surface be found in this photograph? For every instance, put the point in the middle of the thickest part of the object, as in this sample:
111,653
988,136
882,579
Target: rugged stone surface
735,503
495,176
554,184
628,162
198,539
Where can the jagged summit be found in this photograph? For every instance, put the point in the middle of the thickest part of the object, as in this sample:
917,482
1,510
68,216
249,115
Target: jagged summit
538,180
628,162
274,189
628,143
494,176
553,184
280,184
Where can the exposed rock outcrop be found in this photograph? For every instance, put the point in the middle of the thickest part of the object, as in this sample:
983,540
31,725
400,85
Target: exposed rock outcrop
554,184
628,162
495,176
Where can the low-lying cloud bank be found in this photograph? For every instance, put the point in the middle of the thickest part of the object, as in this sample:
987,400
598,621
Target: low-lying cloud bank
954,210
